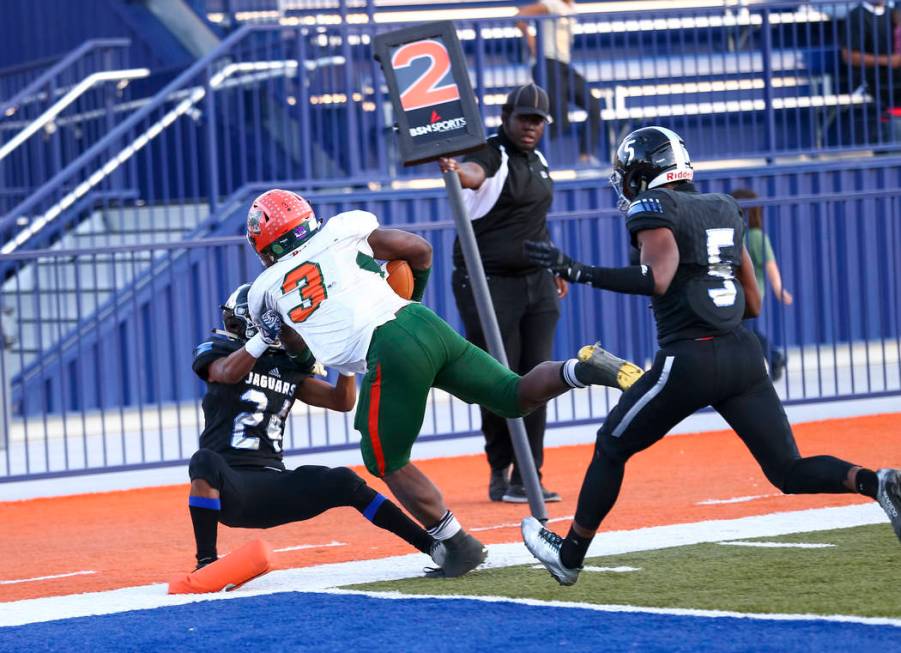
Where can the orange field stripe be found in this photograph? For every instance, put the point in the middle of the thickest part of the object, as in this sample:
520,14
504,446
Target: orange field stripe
144,536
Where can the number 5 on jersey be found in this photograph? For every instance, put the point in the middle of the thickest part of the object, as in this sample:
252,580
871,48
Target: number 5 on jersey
307,279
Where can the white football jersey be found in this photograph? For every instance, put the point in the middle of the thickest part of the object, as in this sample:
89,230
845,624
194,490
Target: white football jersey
331,292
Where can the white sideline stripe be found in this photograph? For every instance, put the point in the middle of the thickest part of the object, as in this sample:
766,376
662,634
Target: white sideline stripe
53,577
301,547
595,607
753,497
781,545
479,529
329,576
612,570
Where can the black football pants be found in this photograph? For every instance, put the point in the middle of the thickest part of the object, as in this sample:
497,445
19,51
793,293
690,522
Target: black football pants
266,497
727,373
527,310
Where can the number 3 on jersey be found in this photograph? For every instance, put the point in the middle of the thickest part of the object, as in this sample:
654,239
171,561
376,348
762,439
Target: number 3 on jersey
307,278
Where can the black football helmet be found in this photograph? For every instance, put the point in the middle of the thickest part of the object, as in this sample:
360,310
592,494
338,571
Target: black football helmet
236,314
647,158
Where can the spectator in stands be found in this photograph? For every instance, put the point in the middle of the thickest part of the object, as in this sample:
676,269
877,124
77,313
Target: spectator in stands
564,83
765,267
871,58
508,191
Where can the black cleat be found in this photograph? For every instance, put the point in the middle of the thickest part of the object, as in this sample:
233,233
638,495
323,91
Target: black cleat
889,496
603,368
549,495
497,485
516,493
463,553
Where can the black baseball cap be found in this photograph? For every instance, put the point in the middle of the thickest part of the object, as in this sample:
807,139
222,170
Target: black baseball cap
529,100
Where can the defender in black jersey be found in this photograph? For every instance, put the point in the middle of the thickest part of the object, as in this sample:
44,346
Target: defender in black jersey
238,476
696,269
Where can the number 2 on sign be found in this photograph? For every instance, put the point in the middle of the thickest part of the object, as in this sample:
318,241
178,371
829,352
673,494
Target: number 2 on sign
425,92
308,278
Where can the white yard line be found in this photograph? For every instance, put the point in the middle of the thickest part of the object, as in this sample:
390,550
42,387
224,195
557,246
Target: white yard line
607,570
479,529
684,612
719,502
53,577
301,547
781,545
322,577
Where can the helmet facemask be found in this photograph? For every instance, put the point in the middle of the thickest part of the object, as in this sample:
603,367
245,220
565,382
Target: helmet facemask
616,182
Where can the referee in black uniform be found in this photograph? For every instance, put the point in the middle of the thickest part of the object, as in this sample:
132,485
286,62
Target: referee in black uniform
508,191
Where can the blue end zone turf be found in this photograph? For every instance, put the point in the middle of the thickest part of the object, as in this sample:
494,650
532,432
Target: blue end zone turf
326,622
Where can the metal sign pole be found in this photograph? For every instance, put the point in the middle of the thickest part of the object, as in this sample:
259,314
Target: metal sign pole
524,461
431,126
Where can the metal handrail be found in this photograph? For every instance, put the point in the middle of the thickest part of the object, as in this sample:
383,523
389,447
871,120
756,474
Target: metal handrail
60,105
120,130
62,64
132,148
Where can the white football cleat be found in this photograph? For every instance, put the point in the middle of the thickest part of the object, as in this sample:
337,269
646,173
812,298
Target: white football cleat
545,545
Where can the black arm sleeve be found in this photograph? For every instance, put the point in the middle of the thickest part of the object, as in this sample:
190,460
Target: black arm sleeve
632,280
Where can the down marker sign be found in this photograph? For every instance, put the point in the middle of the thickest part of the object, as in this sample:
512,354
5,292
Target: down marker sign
430,93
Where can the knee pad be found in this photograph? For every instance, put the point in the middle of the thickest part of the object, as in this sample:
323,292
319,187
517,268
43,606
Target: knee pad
206,465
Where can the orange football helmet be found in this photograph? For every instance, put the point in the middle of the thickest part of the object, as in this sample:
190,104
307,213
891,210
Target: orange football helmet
279,222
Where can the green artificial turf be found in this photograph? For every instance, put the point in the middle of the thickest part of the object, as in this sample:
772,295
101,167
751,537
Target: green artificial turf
860,575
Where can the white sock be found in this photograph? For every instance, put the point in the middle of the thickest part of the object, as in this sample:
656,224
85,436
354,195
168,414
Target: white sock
446,528
568,374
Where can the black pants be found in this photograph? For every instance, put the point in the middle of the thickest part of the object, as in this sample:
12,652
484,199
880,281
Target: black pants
774,358
565,85
527,310
266,497
726,373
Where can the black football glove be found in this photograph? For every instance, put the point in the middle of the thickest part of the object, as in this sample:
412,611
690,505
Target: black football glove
548,256
270,326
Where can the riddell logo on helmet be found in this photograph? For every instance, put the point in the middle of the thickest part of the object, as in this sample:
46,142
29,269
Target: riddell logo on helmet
679,174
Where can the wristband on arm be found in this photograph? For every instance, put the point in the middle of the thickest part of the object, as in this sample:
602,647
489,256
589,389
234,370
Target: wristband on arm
420,281
256,346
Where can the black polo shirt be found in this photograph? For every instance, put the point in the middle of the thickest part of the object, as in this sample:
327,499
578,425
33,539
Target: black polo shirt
510,207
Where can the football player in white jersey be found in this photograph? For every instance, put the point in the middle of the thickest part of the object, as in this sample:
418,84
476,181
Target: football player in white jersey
325,284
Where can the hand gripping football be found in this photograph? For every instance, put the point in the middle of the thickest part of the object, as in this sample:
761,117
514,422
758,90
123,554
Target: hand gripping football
400,277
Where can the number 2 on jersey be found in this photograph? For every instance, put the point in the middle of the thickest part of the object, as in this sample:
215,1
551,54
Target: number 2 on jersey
307,277
275,429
